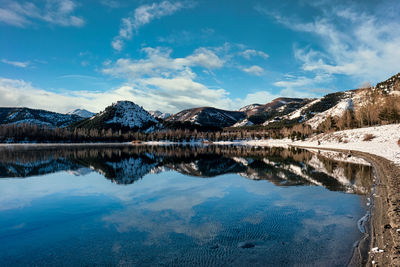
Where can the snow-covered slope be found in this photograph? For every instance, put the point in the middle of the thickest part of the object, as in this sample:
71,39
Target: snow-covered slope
313,111
160,115
131,115
207,116
336,111
298,113
272,112
37,117
120,115
81,113
270,107
243,123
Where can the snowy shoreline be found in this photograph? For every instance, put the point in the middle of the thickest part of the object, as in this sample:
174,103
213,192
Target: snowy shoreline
384,143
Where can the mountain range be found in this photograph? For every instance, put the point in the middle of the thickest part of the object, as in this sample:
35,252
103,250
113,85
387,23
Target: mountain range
283,111
37,116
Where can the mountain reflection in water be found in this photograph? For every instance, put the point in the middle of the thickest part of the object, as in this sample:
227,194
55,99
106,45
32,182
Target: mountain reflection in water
127,164
125,205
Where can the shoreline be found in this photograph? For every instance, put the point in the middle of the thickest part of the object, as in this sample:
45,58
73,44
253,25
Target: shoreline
380,246
385,214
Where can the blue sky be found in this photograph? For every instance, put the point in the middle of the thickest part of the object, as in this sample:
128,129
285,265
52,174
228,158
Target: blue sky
171,55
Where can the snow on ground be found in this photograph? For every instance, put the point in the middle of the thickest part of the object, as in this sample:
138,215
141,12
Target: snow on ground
383,144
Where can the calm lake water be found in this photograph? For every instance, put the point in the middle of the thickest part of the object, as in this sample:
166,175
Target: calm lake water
179,206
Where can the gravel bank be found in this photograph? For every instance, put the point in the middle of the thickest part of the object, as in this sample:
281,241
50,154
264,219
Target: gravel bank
381,247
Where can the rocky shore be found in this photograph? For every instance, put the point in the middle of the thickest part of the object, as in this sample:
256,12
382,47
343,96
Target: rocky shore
384,248
381,245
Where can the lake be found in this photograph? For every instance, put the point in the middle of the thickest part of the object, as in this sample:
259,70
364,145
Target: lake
179,206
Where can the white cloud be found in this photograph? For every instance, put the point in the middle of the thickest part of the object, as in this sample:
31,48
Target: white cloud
259,97
295,82
59,12
249,53
19,64
254,70
204,57
12,18
111,3
143,15
303,86
160,63
361,45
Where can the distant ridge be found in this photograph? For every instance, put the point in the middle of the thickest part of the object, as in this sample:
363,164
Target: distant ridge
81,113
159,115
37,117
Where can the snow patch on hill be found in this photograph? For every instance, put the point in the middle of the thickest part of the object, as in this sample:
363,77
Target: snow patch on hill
131,115
335,111
243,123
298,113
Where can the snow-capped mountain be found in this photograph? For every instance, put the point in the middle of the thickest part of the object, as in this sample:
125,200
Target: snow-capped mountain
258,114
81,113
124,115
335,104
255,109
207,116
159,115
314,111
37,117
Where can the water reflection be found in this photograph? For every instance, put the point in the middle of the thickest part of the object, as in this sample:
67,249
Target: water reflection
179,206
127,164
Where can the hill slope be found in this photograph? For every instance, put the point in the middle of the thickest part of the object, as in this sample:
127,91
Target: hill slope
37,117
208,116
258,114
122,115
